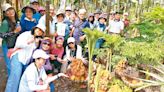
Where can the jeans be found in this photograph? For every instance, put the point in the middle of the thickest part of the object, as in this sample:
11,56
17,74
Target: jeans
52,87
15,75
6,59
99,43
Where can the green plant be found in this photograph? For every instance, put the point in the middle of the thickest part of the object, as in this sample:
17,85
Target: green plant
112,43
92,36
142,52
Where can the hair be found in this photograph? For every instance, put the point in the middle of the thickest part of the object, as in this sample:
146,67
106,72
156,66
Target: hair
92,20
10,22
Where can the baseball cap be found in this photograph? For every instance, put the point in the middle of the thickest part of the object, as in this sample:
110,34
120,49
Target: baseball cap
34,1
6,6
39,53
68,8
70,39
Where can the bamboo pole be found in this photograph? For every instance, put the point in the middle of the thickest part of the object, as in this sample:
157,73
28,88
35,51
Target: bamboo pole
47,18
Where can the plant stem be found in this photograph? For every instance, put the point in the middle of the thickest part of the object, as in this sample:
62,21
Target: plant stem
110,60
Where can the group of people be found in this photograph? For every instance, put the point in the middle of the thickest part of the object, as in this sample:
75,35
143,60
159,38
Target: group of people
32,58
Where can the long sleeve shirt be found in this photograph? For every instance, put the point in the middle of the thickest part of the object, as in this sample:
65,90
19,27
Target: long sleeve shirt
4,28
26,49
30,79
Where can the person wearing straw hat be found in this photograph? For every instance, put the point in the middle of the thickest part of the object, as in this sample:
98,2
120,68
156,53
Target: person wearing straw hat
35,79
25,45
28,22
9,30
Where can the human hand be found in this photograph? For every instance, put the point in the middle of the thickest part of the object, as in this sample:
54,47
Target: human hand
17,29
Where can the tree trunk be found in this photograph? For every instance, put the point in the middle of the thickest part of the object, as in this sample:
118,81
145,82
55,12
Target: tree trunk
108,10
47,18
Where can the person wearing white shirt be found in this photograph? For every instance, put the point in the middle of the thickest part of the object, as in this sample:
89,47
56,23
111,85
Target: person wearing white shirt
73,51
116,26
26,43
52,20
35,78
61,28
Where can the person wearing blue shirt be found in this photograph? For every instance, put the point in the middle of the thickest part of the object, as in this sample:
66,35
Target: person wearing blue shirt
34,4
101,27
28,22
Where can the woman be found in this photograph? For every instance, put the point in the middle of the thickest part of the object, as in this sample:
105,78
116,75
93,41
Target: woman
26,43
42,11
73,52
35,78
45,45
101,27
91,21
28,22
61,28
9,31
57,53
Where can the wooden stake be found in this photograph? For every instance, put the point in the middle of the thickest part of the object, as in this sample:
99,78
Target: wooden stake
47,18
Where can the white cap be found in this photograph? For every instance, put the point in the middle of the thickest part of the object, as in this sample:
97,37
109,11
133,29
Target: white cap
82,11
32,1
60,11
126,14
70,39
39,53
42,27
6,6
68,8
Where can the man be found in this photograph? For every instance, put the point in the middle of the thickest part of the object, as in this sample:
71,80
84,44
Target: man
35,78
116,26
80,24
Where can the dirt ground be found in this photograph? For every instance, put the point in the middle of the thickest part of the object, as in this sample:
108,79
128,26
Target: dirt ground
61,85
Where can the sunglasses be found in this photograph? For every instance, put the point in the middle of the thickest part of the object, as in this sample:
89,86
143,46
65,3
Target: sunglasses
71,43
46,43
39,37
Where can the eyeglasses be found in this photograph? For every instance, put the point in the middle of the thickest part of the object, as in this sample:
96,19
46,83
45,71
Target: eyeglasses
39,37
